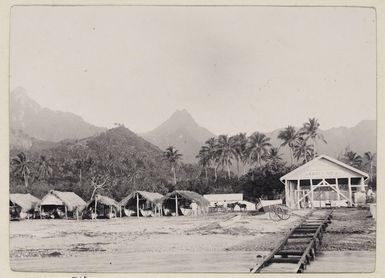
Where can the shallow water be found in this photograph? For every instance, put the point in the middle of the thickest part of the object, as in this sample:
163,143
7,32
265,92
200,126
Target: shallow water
143,262
344,261
240,261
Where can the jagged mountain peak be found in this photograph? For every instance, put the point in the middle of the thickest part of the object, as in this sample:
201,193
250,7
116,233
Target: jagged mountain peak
180,118
181,131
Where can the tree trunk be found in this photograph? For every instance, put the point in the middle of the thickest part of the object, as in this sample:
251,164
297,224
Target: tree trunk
25,180
215,173
137,205
207,178
173,171
228,170
80,176
291,156
314,151
238,167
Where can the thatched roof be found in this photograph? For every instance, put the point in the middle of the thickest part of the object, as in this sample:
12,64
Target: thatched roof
107,201
25,201
69,199
149,196
189,195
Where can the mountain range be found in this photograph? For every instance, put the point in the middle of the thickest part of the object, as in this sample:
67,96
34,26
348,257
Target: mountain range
29,118
35,127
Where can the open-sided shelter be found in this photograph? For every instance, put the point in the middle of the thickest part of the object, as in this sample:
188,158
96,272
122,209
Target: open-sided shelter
22,205
323,181
102,207
141,203
179,202
59,204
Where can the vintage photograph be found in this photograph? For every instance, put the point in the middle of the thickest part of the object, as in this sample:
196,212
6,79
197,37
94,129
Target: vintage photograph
222,139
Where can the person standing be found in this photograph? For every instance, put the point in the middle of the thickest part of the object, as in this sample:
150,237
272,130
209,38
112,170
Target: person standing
194,208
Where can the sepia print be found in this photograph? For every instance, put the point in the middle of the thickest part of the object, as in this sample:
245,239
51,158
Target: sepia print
192,139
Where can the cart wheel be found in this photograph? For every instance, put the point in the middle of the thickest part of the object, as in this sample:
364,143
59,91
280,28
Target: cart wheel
285,214
274,214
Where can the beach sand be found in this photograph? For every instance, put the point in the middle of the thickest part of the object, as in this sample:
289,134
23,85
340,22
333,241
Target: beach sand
164,244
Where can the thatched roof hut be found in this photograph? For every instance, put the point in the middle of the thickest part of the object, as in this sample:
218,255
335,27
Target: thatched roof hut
183,200
102,207
24,204
143,202
27,202
57,200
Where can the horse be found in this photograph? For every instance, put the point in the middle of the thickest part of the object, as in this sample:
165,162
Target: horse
242,206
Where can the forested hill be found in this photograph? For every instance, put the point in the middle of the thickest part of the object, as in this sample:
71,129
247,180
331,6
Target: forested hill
127,160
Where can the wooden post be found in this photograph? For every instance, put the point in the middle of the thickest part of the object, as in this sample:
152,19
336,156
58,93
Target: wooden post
312,193
176,204
65,209
362,182
338,193
96,204
120,211
287,194
298,189
77,214
350,192
137,205
40,211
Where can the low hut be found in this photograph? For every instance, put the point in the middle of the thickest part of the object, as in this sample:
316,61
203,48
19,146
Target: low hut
22,206
184,202
141,203
101,207
57,204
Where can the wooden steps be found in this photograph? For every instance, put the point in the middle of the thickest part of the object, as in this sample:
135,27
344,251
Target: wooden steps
299,247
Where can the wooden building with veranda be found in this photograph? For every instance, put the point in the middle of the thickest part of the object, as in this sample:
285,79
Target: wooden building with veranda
323,182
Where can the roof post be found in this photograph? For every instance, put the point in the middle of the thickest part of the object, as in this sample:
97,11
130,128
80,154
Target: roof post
287,195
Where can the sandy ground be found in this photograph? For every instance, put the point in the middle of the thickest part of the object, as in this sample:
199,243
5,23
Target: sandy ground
166,244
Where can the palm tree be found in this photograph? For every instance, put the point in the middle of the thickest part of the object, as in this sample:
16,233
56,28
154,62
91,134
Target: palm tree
353,159
273,156
211,145
204,159
225,151
310,130
302,149
289,137
172,156
240,141
45,170
258,145
370,158
21,166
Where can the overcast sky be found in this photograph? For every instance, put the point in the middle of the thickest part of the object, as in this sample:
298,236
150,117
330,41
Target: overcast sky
233,68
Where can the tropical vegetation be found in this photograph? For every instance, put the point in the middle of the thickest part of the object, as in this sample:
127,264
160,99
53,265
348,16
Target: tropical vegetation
121,162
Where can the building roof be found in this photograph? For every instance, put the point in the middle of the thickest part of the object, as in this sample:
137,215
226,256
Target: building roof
107,201
223,197
190,195
149,196
25,201
324,166
69,199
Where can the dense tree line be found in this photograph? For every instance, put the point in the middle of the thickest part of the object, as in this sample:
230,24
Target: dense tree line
123,162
